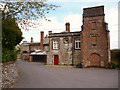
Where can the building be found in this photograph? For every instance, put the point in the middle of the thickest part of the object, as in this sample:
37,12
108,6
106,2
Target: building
95,43
64,47
90,46
40,50
24,50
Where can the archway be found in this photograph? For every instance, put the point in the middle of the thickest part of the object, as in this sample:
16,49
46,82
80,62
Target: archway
94,59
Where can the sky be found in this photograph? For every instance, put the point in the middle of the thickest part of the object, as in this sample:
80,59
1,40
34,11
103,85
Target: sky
71,11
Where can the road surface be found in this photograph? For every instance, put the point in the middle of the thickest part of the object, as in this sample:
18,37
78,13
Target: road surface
36,75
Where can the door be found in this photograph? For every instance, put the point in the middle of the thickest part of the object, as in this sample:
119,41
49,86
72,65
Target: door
55,59
39,58
95,59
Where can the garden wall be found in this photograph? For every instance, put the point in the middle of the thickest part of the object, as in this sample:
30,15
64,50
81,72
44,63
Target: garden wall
9,74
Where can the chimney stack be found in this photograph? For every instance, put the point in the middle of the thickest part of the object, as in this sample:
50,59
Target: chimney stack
42,40
67,27
49,32
31,39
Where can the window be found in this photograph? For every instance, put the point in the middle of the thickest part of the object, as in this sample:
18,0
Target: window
55,45
66,40
93,25
77,44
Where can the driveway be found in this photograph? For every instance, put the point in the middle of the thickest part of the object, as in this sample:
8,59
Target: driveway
37,75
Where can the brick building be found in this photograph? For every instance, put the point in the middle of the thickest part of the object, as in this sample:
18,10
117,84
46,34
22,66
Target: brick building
90,46
95,43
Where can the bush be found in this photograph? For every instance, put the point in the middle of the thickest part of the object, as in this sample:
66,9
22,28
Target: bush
113,65
11,36
79,65
9,55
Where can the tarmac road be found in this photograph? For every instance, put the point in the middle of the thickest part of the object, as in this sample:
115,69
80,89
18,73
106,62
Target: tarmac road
37,75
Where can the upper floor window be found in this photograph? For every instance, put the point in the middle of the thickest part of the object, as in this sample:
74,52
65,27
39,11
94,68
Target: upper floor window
55,45
77,44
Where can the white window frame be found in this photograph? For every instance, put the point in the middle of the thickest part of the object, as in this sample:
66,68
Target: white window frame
77,46
55,45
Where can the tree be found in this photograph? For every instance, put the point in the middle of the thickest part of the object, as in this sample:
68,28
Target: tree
26,11
11,36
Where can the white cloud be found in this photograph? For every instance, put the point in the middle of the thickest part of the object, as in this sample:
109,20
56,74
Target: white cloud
55,26
43,25
111,17
75,21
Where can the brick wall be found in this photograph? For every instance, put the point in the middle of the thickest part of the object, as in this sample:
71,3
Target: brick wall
94,38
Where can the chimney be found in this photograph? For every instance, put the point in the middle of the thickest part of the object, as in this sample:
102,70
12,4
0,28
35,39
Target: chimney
31,39
49,32
42,40
67,27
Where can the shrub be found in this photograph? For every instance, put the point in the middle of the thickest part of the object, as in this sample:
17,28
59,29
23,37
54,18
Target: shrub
9,55
113,65
79,65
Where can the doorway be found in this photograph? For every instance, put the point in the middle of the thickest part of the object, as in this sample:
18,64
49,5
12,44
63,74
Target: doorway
56,61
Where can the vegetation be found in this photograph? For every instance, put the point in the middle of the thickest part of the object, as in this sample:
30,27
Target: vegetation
115,61
25,11
11,36
79,65
22,13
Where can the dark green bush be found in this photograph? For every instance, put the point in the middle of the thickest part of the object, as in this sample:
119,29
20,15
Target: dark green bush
113,65
9,55
79,65
11,36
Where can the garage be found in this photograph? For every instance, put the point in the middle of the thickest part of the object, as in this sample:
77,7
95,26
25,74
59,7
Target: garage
39,56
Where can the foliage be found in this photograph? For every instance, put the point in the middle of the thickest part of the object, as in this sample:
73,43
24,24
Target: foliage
11,36
113,65
9,55
25,11
115,55
79,65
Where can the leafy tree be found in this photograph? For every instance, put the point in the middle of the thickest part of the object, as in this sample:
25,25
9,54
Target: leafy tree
22,13
26,10
11,36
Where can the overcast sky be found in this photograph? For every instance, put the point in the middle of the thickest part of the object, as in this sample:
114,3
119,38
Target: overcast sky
71,11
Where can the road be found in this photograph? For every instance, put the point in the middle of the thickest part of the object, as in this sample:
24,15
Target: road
36,75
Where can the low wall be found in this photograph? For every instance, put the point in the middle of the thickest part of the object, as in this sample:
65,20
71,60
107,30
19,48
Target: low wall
9,74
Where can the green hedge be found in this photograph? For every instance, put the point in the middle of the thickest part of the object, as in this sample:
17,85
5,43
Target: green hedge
9,55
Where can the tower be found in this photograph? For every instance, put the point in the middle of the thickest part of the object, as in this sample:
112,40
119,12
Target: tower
95,38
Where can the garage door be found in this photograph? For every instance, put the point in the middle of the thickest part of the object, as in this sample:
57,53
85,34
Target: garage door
39,58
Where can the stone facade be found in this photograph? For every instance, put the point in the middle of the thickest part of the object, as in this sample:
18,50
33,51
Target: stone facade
66,52
95,37
34,46
24,53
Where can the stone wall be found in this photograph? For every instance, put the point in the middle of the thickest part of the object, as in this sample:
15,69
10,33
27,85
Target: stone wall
9,74
66,52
